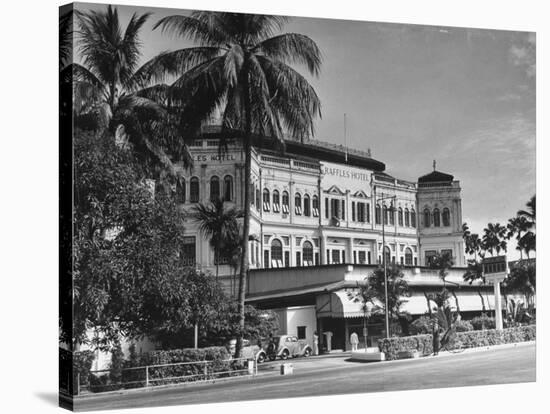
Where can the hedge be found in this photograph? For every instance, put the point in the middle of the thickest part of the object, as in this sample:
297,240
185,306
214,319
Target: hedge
470,339
218,356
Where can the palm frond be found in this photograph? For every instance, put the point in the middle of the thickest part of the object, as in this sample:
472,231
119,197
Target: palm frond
175,63
197,28
292,48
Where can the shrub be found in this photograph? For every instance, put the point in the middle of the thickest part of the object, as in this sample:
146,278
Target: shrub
82,364
483,322
463,326
217,354
392,346
421,326
469,339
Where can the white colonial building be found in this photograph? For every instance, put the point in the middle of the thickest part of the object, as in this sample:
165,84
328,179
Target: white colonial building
316,205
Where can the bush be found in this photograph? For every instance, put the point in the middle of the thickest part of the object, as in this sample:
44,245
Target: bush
217,354
469,339
483,322
391,346
421,326
463,326
82,364
488,337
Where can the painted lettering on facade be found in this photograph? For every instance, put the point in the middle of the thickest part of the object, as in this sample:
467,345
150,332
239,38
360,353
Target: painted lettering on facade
344,173
215,157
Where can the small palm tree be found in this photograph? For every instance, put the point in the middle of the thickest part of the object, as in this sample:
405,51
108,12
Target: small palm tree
518,226
241,68
494,238
219,224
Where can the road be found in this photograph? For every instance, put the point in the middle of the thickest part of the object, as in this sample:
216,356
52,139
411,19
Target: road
337,375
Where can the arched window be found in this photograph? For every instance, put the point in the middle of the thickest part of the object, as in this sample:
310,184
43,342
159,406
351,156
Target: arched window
413,218
266,200
385,214
408,257
307,253
400,216
307,206
377,219
276,202
407,218
285,203
298,204
276,253
315,206
446,217
426,218
391,213
228,188
194,190
214,188
257,199
437,218
387,254
180,190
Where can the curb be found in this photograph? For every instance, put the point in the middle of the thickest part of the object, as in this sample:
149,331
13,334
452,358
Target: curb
449,353
92,395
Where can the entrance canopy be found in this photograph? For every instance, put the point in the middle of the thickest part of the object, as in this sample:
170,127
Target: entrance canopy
340,304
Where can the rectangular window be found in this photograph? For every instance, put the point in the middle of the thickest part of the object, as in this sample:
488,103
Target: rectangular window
334,207
328,256
343,209
287,259
316,258
298,259
368,213
354,257
266,259
353,211
343,256
368,258
429,254
326,208
188,251
362,257
335,256
361,212
301,334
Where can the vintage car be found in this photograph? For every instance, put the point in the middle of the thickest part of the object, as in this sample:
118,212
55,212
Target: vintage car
250,351
285,346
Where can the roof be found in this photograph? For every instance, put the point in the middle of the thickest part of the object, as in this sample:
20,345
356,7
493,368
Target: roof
436,177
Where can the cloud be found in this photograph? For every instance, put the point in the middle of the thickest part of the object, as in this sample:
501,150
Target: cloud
523,54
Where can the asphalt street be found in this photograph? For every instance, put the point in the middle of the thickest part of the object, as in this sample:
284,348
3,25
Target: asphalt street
337,375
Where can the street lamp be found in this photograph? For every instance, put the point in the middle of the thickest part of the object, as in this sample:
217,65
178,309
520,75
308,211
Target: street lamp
376,200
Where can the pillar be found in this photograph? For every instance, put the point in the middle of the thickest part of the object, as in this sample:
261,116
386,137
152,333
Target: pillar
498,305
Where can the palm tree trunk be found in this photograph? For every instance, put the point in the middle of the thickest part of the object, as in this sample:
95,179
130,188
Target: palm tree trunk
246,224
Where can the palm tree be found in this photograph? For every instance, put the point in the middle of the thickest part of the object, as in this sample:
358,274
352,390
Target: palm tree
530,213
108,89
241,68
217,223
494,238
518,226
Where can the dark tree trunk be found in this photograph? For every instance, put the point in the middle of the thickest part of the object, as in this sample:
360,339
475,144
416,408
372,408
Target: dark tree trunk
246,223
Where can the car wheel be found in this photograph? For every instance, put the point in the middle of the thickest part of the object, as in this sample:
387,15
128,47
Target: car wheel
284,355
307,352
260,359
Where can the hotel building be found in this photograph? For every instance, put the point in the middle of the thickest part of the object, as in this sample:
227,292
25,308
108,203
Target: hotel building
319,214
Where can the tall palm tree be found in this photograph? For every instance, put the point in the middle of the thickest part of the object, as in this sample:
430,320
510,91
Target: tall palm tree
518,226
530,213
107,88
219,224
494,238
242,68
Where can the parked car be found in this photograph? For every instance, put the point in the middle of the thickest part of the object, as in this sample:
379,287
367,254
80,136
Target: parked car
250,351
285,346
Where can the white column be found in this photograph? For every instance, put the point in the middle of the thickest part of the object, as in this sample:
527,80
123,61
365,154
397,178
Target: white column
498,305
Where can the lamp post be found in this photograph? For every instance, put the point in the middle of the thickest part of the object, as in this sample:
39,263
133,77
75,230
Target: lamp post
384,256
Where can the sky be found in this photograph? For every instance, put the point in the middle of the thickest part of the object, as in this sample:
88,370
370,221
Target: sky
412,94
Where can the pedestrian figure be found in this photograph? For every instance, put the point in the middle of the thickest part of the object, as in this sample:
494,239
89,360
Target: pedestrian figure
354,340
315,343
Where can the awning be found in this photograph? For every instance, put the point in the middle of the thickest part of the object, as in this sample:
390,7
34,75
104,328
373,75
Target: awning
340,304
